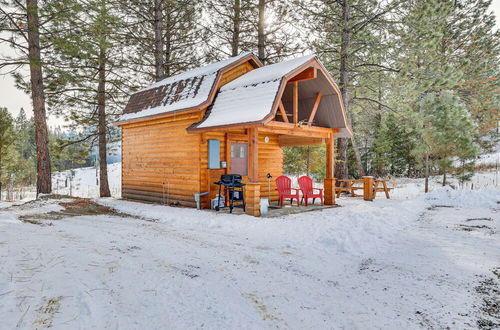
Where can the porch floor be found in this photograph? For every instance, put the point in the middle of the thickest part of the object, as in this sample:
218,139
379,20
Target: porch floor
276,211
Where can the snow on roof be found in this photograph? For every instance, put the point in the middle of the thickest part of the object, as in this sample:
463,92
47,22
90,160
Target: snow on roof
243,104
182,91
268,72
250,97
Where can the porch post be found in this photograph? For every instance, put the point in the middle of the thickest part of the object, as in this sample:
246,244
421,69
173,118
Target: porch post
252,198
368,188
329,185
296,103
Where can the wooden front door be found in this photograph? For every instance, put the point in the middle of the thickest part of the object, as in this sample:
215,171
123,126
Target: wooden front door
239,158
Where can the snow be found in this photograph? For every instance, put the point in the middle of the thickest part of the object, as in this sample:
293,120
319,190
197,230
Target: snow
201,71
187,98
387,264
267,73
490,159
246,104
250,97
83,182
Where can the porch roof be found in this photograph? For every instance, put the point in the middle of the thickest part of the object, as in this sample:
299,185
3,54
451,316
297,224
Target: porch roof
253,98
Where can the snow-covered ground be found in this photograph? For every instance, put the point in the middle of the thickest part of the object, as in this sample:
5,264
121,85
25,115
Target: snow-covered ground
422,262
83,182
414,261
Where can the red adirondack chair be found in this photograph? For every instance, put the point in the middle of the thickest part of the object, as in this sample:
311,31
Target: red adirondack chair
306,186
285,190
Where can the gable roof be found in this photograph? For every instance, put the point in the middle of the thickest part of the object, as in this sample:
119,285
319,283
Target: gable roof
189,90
253,98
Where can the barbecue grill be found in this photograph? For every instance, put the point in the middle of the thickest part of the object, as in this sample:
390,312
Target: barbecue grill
234,188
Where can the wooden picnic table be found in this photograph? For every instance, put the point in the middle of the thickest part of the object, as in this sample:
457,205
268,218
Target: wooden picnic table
351,185
381,186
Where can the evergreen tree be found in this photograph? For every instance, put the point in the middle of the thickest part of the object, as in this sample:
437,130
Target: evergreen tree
393,148
424,68
7,137
265,27
348,36
473,44
162,37
24,25
25,147
447,130
305,160
90,85
229,27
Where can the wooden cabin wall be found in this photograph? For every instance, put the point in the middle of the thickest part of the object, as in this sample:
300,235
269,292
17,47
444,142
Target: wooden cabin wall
270,161
161,160
234,73
164,163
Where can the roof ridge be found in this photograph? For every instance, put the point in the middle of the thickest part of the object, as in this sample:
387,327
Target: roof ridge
204,70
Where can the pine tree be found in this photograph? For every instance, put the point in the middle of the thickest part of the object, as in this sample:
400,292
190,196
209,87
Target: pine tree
265,27
7,138
228,28
275,36
393,147
348,36
25,147
424,68
23,24
90,85
471,36
305,160
447,130
161,37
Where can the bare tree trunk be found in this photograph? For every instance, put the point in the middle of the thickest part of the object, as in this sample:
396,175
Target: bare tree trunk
426,173
159,60
444,177
341,165
101,108
308,161
359,166
235,42
168,42
44,183
1,147
261,37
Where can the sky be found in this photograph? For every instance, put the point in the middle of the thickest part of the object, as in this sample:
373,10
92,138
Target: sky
14,99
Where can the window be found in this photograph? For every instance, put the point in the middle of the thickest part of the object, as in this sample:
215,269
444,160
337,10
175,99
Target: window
213,154
239,158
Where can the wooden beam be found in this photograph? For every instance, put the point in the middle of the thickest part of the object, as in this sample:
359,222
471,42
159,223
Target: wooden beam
307,74
330,157
296,103
283,112
314,109
293,140
295,132
237,137
253,155
279,124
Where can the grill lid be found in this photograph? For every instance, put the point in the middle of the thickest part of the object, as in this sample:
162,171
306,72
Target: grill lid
230,178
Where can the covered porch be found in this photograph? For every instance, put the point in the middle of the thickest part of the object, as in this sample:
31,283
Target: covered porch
287,134
293,103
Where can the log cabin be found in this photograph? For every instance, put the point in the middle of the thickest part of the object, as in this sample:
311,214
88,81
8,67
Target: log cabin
230,117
